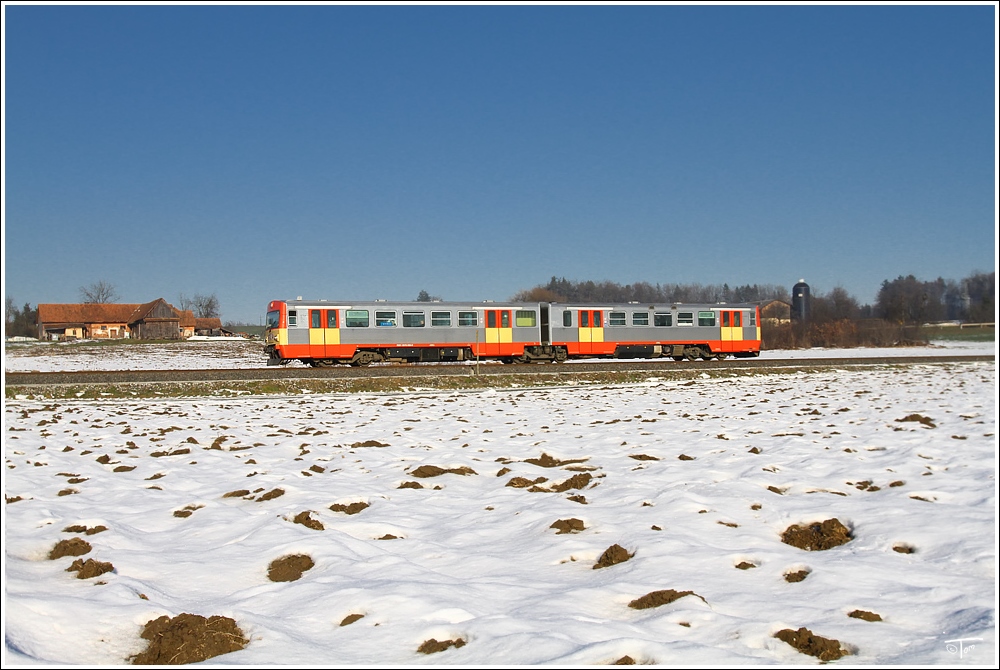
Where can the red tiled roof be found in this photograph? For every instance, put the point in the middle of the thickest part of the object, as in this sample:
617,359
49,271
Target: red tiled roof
208,323
86,313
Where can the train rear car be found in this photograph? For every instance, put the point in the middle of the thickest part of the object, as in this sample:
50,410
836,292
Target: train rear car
635,330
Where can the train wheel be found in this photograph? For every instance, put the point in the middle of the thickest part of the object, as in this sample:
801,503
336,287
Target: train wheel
691,353
721,356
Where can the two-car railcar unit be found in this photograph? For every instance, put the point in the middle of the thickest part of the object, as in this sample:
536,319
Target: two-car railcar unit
323,333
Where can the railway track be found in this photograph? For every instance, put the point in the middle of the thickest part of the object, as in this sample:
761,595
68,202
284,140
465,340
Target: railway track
27,379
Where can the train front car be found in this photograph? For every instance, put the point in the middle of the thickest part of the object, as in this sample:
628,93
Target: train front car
320,333
679,331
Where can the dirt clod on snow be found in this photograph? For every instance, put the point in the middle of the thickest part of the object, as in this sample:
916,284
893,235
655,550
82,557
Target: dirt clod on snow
353,508
351,618
306,520
807,642
613,555
797,576
817,536
189,638
564,526
865,615
434,471
432,646
71,547
89,568
658,598
289,568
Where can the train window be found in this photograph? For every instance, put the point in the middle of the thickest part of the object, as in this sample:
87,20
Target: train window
753,318
567,319
737,319
385,319
706,318
491,319
413,319
640,318
292,317
440,318
685,318
664,319
273,319
525,318
314,318
468,319
616,319
331,318
505,319
356,318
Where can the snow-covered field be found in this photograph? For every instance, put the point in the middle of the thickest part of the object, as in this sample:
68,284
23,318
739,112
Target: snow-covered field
696,480
237,353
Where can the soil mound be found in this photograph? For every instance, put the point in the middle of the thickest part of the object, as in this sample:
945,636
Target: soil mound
797,576
806,642
564,526
658,598
289,568
432,646
368,443
867,616
625,660
189,638
523,482
546,461
918,418
71,547
306,520
239,493
575,482
89,568
434,471
271,495
817,536
410,485
613,555
351,618
353,508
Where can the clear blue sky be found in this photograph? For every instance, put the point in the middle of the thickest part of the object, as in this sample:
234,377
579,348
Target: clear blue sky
339,152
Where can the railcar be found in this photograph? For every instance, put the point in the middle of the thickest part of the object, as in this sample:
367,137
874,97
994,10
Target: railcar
323,333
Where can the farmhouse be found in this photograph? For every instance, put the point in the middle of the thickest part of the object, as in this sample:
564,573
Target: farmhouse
776,312
156,320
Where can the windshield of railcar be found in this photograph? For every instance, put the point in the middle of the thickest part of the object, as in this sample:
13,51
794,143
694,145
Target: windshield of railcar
272,319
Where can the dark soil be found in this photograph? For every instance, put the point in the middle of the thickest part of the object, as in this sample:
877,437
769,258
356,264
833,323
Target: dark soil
353,508
306,520
546,461
613,555
432,646
89,568
578,499
642,457
434,471
189,638
685,457
806,642
924,420
523,483
658,598
575,482
745,565
271,495
797,576
817,536
289,568
351,618
124,468
564,526
368,443
867,616
625,660
71,547
411,485
903,549
239,493
83,529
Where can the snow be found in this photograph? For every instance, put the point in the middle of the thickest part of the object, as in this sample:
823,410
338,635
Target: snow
237,353
476,559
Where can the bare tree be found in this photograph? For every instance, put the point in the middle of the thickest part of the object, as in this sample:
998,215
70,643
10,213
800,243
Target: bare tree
99,292
205,306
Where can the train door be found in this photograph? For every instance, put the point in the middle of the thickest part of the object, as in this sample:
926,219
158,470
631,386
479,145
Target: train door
591,331
324,332
732,330
499,332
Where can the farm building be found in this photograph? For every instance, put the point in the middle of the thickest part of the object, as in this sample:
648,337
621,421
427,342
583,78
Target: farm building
775,312
156,320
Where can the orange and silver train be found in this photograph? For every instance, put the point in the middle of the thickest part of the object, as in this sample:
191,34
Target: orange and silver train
323,333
